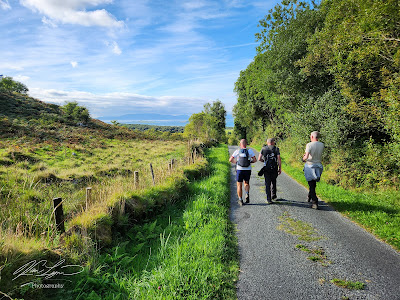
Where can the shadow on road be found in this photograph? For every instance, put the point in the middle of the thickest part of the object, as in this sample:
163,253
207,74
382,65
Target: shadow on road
321,205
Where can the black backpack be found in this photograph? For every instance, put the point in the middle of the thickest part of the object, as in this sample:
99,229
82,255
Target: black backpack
243,159
271,160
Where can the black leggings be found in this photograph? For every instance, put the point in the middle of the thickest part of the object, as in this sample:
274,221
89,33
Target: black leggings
312,194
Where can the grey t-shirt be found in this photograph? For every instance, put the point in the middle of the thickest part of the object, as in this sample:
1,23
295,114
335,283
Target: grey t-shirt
315,149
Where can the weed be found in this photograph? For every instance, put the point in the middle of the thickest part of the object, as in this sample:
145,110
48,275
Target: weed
348,284
303,230
318,254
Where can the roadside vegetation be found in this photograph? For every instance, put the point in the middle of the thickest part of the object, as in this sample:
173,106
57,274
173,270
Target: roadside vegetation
188,251
331,66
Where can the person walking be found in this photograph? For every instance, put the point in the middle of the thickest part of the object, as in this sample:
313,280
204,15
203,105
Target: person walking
243,158
271,157
313,167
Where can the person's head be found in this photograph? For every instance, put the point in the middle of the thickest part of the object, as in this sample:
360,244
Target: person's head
243,143
271,142
314,136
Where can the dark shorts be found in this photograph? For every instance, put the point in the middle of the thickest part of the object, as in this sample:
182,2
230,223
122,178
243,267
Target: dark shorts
243,175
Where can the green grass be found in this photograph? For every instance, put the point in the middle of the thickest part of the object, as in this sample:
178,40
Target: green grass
35,174
187,252
376,211
348,284
304,231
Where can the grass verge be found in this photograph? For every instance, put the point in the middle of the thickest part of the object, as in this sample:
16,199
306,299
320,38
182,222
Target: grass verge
187,252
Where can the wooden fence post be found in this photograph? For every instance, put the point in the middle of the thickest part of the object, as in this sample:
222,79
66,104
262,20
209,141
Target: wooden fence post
152,174
59,214
88,197
136,178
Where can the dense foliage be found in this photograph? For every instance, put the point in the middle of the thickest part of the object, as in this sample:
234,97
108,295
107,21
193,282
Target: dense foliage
331,67
8,85
208,125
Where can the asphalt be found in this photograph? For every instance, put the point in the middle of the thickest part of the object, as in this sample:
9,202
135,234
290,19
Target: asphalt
271,267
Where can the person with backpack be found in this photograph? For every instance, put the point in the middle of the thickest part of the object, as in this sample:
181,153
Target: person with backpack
313,167
271,157
243,158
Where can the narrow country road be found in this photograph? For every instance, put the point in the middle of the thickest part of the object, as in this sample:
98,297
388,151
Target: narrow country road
272,264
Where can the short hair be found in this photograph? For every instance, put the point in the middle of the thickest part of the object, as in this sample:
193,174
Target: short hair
243,141
316,134
270,140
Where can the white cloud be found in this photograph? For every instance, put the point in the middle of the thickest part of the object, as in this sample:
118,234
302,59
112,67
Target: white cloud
21,78
121,103
195,4
4,4
74,12
49,22
116,49
74,64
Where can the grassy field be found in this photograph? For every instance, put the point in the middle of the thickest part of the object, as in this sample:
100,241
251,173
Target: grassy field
30,177
188,251
378,211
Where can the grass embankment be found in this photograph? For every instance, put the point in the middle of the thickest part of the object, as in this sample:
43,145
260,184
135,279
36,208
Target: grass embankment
32,175
378,211
187,252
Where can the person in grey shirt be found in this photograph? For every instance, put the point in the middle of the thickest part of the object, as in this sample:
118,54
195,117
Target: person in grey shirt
313,167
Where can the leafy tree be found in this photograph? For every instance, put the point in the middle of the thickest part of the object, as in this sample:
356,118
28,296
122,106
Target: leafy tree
8,85
359,46
273,87
76,113
217,110
201,126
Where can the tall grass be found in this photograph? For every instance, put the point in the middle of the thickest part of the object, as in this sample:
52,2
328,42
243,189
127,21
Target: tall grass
32,175
187,252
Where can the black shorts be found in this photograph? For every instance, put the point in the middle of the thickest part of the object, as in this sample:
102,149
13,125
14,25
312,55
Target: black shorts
243,175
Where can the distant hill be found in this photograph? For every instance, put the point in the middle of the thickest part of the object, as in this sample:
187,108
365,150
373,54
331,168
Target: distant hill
143,127
157,119
149,119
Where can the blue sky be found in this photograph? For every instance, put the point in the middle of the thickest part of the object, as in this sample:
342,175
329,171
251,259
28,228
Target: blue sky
130,57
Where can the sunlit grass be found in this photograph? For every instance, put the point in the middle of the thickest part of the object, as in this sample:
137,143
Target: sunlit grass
187,252
32,175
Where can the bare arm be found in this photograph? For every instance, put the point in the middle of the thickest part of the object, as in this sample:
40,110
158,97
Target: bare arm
232,160
260,157
305,156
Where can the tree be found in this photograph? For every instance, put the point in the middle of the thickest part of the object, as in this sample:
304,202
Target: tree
8,85
217,110
274,87
76,113
201,126
360,46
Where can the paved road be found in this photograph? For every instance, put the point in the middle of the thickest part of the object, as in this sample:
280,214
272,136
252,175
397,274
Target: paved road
271,267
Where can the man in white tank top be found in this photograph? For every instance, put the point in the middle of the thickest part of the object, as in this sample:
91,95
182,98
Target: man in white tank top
313,167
